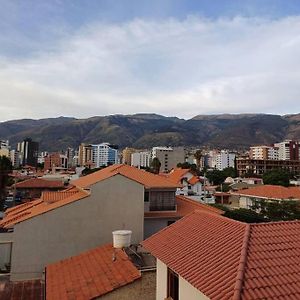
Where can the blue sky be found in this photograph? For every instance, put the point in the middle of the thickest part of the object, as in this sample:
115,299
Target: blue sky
85,58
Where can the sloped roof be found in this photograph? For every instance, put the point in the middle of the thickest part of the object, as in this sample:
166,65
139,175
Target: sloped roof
272,192
227,259
185,206
40,183
89,275
37,207
194,180
177,174
143,177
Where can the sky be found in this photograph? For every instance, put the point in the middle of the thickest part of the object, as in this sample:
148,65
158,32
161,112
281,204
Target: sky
171,57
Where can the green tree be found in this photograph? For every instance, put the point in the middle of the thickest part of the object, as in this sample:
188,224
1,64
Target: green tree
229,172
277,177
155,165
5,170
187,165
198,156
216,177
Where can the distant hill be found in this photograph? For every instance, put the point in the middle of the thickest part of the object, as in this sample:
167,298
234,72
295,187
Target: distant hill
147,130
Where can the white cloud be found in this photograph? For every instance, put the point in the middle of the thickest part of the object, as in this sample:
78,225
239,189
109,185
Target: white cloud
171,67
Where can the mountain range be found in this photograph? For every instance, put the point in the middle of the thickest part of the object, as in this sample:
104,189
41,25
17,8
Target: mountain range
233,131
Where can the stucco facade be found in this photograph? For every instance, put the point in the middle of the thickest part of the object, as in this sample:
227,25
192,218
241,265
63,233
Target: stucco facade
153,225
78,226
186,290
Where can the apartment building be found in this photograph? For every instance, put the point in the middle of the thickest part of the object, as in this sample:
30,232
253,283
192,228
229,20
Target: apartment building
264,152
85,155
245,165
126,155
221,159
15,158
141,159
104,154
168,157
288,150
28,150
55,161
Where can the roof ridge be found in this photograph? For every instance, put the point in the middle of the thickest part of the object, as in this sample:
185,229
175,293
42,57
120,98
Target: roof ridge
242,265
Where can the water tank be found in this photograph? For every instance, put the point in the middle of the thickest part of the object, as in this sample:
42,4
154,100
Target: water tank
122,238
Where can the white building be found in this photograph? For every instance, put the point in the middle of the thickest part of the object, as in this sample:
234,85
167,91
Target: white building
140,159
288,150
221,159
264,152
4,144
104,154
15,158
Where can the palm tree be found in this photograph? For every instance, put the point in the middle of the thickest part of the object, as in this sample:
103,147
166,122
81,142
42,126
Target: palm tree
5,169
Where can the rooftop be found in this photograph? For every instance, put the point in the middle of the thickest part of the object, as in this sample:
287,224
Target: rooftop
40,184
272,192
185,206
143,177
47,202
90,275
227,259
21,290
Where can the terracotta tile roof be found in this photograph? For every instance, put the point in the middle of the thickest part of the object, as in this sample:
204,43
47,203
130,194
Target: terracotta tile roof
272,269
227,259
185,206
272,192
34,208
194,180
89,275
21,290
149,180
177,174
40,183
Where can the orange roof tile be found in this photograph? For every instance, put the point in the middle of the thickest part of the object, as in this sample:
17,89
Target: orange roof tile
177,174
272,192
34,208
194,180
40,183
227,259
185,206
143,177
89,275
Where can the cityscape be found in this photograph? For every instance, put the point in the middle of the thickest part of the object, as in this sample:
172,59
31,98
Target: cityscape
149,150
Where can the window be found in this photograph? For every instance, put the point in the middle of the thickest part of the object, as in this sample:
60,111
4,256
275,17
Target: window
146,197
173,285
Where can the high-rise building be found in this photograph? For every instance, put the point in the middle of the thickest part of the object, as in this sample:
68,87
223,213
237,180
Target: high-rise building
15,158
140,159
126,155
221,159
288,150
85,155
28,152
168,157
263,152
104,154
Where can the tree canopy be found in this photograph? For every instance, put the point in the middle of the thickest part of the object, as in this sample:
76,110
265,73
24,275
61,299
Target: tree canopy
5,169
277,177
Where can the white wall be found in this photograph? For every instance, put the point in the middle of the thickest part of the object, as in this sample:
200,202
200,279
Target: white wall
186,290
161,280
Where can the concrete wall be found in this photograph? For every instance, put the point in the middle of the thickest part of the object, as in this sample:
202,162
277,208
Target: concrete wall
161,280
143,288
78,226
154,225
186,290
5,248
